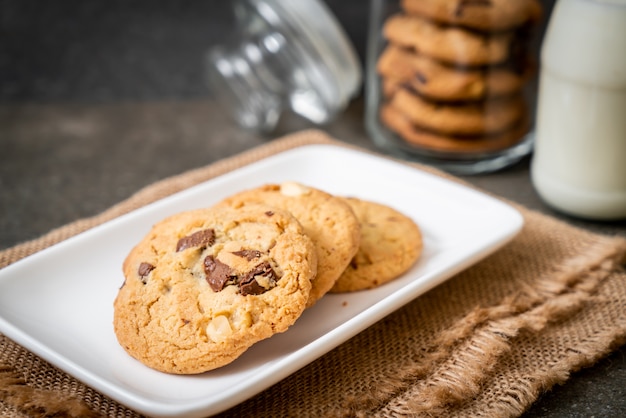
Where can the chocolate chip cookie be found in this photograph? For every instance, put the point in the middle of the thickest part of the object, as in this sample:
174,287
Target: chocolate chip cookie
204,285
412,134
483,15
459,119
453,45
327,219
391,243
400,67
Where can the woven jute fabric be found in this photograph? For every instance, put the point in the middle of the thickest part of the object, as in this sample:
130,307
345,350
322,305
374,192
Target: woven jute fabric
485,343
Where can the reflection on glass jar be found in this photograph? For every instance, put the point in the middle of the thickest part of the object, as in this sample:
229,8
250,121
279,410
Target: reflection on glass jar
451,82
284,60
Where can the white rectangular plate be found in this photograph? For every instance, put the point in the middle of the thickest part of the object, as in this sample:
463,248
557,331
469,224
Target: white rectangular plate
58,303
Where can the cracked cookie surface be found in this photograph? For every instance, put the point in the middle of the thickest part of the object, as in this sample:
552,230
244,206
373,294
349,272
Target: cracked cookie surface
391,243
205,285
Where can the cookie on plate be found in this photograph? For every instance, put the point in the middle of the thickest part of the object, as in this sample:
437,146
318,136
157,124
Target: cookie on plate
204,285
412,134
391,243
483,15
453,45
327,219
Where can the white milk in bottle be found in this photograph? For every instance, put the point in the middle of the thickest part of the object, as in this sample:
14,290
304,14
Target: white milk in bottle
579,163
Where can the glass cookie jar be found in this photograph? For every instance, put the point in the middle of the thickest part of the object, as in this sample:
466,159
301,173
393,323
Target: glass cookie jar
451,83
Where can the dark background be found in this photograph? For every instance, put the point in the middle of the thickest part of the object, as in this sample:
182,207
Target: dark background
84,59
104,51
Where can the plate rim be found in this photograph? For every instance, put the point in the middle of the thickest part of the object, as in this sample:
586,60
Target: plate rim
156,408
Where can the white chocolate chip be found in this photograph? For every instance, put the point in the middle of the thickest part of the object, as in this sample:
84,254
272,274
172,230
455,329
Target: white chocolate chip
264,282
293,189
219,329
243,320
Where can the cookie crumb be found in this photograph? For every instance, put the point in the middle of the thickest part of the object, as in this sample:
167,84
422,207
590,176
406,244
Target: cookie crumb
217,273
204,238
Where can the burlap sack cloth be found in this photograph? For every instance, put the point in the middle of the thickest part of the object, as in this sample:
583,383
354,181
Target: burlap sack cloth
484,344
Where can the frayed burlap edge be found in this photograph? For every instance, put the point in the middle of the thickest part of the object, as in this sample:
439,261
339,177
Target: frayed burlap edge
35,402
461,359
438,380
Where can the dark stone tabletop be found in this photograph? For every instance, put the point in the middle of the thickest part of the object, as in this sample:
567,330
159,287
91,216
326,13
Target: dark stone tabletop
98,99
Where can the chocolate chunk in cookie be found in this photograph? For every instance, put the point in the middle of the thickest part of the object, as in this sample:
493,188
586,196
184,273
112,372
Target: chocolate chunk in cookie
327,219
200,239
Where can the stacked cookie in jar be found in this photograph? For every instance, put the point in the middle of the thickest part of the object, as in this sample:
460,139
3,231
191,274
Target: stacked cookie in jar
452,73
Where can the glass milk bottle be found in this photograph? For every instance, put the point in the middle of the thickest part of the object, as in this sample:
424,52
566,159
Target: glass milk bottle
579,164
